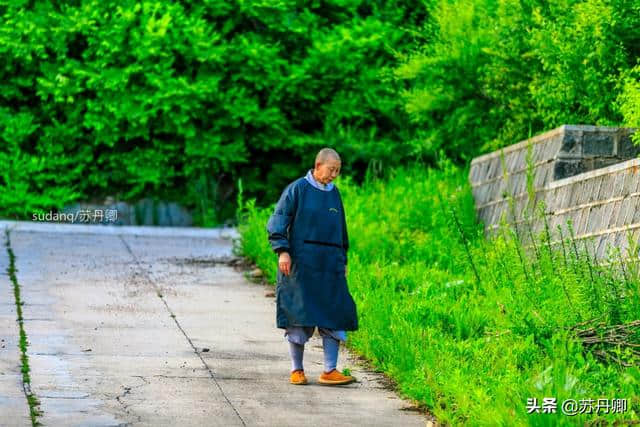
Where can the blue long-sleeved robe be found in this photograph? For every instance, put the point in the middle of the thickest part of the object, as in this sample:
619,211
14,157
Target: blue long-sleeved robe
310,224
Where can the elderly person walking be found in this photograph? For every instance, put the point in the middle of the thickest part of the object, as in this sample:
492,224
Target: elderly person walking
308,231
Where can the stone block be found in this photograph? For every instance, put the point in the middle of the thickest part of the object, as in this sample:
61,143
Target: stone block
588,164
605,187
598,144
572,143
626,148
603,162
554,199
565,197
592,186
623,211
585,190
592,218
601,222
574,190
588,213
579,219
541,176
565,168
589,219
634,206
592,193
607,217
615,213
629,182
617,188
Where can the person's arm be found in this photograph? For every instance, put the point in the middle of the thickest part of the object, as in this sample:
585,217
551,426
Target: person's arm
280,220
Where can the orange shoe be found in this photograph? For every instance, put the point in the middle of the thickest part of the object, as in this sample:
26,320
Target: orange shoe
335,377
298,378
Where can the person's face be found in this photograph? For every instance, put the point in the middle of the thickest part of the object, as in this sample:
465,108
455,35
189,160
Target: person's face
327,171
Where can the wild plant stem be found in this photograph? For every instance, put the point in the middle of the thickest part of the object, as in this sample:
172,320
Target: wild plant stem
461,231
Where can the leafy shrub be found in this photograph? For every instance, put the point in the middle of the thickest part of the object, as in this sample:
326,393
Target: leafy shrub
178,100
492,71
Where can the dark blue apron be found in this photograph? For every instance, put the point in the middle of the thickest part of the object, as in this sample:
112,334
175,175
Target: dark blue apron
310,224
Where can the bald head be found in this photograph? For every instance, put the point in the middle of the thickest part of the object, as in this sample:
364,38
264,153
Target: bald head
327,166
327,154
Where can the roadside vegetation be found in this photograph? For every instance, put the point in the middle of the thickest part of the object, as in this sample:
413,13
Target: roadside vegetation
472,328
32,399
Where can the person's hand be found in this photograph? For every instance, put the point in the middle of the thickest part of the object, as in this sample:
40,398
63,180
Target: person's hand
284,263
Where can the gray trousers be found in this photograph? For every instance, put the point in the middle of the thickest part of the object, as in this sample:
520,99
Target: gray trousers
301,334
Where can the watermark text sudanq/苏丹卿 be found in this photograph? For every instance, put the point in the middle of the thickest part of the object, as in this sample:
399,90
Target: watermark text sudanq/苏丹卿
79,216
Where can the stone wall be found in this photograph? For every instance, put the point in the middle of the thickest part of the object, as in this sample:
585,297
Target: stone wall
585,174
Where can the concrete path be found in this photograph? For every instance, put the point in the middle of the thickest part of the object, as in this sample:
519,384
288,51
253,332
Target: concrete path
148,326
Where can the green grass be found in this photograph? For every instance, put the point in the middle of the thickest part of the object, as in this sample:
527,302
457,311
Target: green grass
32,400
471,328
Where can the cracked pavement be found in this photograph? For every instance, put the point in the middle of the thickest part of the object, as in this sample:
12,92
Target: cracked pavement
117,320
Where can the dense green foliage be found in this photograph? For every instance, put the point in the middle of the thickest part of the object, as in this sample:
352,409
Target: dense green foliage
471,348
178,100
492,70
